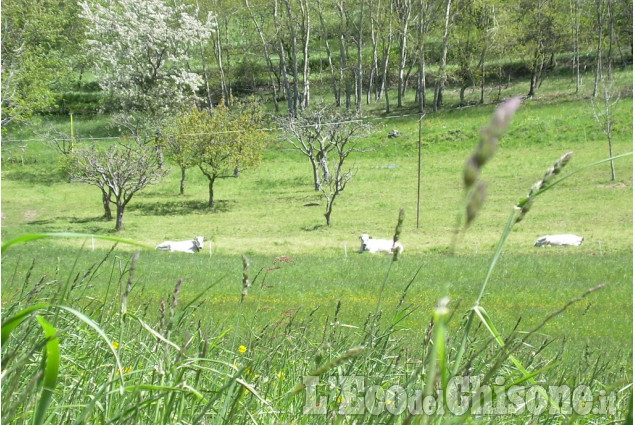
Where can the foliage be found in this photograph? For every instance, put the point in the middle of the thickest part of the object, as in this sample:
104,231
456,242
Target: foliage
179,368
321,133
39,40
119,171
141,53
221,142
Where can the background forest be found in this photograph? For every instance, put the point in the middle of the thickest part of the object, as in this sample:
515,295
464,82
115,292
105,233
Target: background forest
369,55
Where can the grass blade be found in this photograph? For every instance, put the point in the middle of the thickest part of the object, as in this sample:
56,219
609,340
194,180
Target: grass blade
50,366
14,321
35,236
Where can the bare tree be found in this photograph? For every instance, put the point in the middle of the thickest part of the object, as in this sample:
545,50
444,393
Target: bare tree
604,109
326,136
404,12
342,144
306,34
441,80
575,14
386,49
335,84
265,46
359,75
282,54
308,133
427,14
344,33
119,171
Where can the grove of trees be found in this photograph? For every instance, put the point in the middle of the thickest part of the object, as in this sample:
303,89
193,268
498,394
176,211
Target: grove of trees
355,52
174,74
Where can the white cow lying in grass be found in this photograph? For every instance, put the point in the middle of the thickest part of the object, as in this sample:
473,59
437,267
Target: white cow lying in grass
378,245
191,246
559,240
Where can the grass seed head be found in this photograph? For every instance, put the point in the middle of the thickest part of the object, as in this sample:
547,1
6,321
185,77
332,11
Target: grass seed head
471,172
398,228
175,295
525,205
489,141
246,281
503,116
475,202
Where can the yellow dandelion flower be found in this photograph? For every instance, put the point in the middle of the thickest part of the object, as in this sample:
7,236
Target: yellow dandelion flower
127,369
242,349
281,375
339,398
115,345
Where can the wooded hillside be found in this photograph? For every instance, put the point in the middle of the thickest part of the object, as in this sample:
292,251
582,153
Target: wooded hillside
397,53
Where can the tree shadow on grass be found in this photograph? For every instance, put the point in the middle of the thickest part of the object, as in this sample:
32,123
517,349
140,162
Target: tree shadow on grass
57,222
34,175
84,220
180,207
315,228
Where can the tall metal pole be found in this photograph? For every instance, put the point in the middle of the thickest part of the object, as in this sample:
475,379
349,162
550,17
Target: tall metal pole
419,174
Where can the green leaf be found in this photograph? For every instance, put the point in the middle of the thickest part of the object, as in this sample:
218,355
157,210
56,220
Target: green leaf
50,366
35,236
103,336
11,323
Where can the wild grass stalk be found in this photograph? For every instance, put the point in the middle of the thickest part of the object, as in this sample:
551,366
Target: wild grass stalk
180,368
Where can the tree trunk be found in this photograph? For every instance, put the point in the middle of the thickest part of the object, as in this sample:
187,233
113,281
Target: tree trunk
336,93
535,73
598,67
421,74
438,96
182,186
267,57
105,198
306,19
344,78
359,76
294,55
611,155
283,65
386,48
404,14
330,200
210,203
575,12
219,60
316,174
120,210
324,165
374,70
462,101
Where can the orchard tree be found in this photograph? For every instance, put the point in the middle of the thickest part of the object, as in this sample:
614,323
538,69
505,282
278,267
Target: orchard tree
141,54
326,136
119,172
223,141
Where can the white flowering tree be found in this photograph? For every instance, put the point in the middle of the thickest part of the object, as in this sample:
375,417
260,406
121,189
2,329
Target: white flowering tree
141,55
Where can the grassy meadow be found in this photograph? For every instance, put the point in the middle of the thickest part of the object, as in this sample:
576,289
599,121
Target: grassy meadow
192,352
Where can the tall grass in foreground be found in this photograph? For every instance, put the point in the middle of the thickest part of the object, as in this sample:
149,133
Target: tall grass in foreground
68,358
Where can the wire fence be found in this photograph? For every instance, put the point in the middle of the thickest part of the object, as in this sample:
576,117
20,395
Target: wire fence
268,129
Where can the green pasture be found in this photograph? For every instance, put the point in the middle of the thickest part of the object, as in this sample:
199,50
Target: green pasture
313,295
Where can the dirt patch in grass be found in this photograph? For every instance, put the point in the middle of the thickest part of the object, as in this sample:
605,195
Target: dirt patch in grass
611,185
